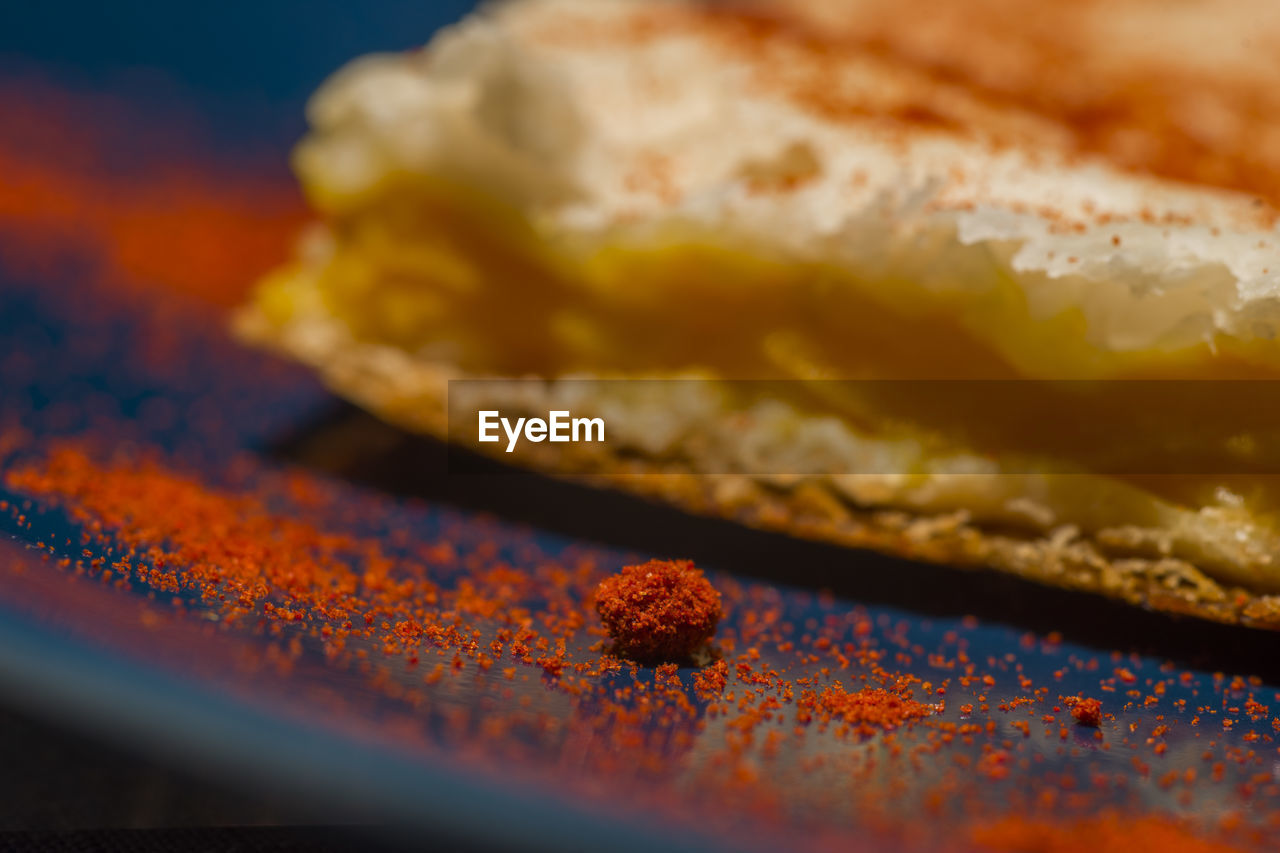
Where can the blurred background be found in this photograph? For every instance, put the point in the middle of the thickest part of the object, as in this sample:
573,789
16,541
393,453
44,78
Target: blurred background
246,69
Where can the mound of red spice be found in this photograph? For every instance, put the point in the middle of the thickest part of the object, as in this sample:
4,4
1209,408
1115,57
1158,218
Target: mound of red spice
1088,712
659,610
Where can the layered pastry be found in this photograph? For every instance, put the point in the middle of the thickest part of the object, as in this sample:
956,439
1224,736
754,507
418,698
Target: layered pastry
987,283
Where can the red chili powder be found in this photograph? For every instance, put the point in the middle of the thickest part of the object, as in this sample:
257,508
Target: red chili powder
866,711
1088,712
1111,833
659,610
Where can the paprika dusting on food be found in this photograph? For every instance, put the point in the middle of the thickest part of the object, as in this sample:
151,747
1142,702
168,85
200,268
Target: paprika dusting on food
659,610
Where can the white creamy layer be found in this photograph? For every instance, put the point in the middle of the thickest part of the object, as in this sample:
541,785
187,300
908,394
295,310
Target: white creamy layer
594,137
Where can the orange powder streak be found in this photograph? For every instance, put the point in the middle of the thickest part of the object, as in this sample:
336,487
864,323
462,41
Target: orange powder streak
226,544
1107,834
181,226
249,562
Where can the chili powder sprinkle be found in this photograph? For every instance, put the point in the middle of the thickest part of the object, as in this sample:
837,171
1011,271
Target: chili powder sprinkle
659,610
1108,833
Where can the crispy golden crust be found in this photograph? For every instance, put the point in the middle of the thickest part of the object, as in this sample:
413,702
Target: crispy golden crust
411,394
